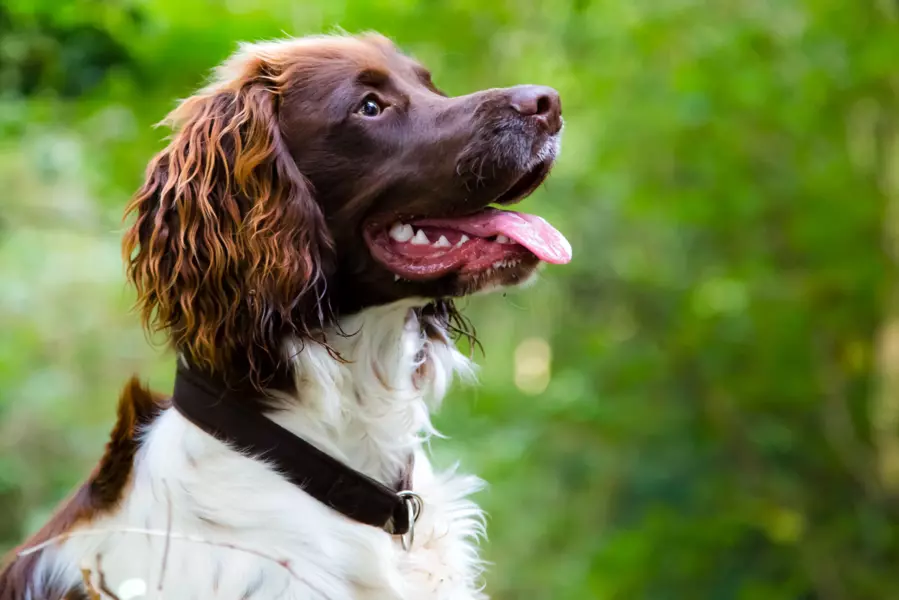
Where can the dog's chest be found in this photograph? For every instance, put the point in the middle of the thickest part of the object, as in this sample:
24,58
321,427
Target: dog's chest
200,520
235,529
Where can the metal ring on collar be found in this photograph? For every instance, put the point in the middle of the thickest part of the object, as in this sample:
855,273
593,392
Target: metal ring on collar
414,504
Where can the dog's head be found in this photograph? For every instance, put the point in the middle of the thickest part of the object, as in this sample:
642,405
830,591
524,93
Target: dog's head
317,177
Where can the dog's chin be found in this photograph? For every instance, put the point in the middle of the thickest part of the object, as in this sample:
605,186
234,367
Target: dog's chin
501,275
498,277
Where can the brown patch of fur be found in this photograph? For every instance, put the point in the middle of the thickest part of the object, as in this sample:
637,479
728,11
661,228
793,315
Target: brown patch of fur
100,494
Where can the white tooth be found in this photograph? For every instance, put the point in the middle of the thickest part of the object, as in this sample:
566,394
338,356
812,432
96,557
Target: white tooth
462,240
401,233
502,239
396,277
442,242
420,239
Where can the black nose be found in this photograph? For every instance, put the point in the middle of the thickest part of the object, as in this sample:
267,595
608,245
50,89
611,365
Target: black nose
538,102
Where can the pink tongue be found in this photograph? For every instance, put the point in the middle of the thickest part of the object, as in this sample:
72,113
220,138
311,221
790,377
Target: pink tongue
530,231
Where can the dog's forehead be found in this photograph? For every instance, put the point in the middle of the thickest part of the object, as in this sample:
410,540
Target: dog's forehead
327,60
376,50
370,53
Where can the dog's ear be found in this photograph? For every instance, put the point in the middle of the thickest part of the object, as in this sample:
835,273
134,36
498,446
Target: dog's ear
228,246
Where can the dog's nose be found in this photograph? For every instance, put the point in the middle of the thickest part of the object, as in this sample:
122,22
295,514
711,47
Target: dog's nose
538,102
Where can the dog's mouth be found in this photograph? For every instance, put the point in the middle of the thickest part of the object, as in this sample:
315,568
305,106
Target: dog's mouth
422,248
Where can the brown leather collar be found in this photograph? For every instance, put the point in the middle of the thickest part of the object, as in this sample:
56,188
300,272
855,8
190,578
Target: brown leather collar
225,414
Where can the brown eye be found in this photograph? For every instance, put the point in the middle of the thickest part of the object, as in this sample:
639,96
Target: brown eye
370,108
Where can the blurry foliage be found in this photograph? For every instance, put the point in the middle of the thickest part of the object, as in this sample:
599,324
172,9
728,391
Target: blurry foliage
708,395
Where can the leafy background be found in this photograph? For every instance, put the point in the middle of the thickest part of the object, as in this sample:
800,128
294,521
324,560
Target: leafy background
703,404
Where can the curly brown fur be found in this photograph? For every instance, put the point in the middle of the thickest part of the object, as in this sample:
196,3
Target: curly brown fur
228,239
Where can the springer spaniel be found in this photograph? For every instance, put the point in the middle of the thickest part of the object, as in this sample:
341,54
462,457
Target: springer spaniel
299,242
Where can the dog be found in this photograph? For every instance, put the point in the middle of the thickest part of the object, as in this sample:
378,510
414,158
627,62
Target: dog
299,243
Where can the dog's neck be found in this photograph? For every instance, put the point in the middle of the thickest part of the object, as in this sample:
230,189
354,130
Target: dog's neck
371,410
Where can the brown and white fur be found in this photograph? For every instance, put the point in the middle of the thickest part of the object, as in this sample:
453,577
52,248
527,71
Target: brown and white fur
370,411
251,274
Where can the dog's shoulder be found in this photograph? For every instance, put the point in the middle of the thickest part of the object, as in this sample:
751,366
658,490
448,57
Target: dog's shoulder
138,407
102,491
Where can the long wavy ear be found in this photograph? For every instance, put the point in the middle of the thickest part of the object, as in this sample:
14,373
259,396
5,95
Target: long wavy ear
228,248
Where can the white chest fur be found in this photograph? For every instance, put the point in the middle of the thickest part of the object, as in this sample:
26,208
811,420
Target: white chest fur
201,521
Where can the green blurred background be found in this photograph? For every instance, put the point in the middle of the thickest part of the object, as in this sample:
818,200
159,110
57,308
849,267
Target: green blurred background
703,405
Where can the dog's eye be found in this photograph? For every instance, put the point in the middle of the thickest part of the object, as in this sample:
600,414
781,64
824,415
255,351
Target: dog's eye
370,107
